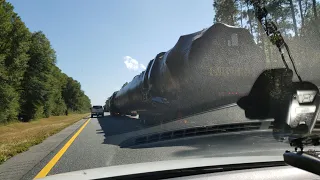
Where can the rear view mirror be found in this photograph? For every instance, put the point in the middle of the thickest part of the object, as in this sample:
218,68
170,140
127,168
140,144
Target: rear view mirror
293,105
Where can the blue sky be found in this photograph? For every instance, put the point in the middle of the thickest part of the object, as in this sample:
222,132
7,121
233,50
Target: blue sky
95,41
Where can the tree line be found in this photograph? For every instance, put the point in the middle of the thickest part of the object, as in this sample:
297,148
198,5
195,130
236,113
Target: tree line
31,85
297,20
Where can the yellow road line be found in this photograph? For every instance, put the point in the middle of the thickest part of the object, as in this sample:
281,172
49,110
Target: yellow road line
56,158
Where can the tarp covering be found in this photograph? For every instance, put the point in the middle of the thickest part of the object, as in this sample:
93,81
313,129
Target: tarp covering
206,69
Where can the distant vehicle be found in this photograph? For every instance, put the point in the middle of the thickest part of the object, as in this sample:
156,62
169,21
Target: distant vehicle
97,111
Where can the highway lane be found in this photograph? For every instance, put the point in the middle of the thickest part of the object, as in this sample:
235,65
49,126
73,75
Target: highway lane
102,142
89,149
99,144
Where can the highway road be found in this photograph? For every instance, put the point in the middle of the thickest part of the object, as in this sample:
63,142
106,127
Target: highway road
91,148
106,141
100,143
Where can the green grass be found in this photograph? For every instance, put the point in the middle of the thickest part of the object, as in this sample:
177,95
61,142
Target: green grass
18,137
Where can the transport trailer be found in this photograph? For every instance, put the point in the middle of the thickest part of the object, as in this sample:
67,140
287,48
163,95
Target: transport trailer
204,70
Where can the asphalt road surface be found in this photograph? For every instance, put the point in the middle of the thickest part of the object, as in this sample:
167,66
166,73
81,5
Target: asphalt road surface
100,143
90,149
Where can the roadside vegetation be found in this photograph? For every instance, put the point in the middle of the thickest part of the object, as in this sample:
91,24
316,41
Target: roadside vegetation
17,137
31,85
35,95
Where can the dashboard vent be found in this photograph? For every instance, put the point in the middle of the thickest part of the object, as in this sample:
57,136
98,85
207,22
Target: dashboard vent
195,131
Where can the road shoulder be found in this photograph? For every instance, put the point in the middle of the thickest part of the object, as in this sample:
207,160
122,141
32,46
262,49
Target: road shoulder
27,164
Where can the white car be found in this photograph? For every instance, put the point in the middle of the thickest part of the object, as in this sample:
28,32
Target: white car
97,111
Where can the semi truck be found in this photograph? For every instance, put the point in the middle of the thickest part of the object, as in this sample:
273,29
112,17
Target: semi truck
204,70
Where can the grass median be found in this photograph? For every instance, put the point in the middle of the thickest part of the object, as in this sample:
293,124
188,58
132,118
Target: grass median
17,137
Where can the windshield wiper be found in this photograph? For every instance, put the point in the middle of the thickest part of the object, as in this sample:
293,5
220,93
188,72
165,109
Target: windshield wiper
273,33
306,160
174,173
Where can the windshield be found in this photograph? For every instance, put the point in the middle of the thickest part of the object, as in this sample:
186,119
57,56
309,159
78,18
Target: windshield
170,78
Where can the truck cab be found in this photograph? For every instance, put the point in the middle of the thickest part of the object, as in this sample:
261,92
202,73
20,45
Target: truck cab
97,111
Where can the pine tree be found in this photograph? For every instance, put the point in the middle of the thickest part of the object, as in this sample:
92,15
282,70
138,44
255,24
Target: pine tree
225,11
36,83
31,85
14,44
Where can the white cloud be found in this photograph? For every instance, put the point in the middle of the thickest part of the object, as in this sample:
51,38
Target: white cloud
142,67
133,64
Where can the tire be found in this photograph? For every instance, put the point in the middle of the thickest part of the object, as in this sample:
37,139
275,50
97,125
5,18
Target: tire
91,116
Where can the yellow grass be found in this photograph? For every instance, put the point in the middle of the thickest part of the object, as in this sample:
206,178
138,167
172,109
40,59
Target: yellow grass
18,136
